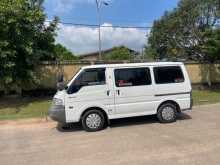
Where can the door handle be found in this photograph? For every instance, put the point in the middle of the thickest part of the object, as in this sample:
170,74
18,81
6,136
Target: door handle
118,91
108,92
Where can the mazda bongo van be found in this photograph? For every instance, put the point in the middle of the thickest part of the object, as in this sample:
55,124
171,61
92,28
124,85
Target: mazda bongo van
99,93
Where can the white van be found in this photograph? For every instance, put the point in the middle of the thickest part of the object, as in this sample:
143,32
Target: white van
99,93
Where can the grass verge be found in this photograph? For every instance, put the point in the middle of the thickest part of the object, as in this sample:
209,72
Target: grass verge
17,108
201,97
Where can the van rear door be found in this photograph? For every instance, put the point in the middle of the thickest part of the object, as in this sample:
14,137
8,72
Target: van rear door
172,83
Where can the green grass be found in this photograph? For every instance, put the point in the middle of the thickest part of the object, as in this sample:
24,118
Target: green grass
206,97
19,108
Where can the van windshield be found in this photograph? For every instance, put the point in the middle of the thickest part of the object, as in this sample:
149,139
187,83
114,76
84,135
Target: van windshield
70,80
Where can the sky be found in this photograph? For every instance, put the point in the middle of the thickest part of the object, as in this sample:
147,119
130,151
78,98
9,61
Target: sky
82,39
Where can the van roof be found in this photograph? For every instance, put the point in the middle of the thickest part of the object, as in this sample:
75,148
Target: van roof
132,65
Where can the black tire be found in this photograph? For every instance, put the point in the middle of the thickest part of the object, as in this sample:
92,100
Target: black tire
163,117
99,115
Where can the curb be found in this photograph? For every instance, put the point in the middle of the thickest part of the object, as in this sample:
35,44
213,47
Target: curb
26,121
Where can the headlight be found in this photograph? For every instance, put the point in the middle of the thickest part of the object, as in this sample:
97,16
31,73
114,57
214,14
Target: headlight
57,101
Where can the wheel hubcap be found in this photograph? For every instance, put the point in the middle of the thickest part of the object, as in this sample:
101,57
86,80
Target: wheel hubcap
168,113
93,121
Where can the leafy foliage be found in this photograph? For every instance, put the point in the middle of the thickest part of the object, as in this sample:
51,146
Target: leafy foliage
189,31
24,40
62,54
118,53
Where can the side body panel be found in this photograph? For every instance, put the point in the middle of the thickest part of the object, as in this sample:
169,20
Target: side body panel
145,100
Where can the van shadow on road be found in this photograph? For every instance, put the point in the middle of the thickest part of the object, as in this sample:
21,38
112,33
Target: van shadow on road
124,122
142,120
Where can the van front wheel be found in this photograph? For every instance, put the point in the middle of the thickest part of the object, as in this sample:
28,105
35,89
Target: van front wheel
93,120
167,113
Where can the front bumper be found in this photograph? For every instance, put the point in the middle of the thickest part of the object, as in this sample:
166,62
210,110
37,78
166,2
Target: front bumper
57,113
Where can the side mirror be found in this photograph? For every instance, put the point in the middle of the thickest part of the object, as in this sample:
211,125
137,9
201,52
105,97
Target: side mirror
60,78
60,82
60,86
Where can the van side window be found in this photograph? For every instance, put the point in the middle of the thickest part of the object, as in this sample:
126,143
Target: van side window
93,77
87,78
132,77
168,74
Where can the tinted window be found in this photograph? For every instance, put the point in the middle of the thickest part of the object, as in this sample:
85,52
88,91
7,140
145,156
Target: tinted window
132,77
170,74
86,78
93,77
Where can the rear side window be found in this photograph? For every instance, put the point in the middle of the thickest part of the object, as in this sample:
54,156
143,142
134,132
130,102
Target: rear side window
168,74
132,77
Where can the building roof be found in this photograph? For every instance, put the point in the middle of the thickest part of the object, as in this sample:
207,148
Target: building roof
106,51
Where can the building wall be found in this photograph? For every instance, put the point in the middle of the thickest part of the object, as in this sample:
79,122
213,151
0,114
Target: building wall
198,73
203,73
91,57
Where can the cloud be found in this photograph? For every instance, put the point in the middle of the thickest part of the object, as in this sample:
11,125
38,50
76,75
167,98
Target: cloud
85,39
65,6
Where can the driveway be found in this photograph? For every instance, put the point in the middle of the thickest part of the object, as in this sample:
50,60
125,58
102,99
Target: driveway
193,139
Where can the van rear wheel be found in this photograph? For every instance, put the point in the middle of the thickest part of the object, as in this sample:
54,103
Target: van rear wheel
93,120
167,113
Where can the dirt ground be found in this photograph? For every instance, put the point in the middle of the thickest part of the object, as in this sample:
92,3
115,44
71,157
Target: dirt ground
194,139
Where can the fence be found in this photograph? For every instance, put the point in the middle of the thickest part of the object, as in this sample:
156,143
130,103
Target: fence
198,73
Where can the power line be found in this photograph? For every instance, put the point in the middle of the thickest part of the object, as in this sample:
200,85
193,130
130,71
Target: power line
113,19
104,26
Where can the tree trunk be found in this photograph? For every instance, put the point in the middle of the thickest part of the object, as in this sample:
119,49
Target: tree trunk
209,78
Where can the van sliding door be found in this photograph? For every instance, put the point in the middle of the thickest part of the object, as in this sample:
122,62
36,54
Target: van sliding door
134,93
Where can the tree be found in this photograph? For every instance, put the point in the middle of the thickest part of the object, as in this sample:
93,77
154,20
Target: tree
185,31
211,45
61,53
118,53
24,41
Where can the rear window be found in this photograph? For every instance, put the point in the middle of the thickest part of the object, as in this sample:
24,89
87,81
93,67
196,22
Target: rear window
168,74
132,77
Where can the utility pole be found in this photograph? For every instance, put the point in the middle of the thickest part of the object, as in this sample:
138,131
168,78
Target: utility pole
98,6
99,29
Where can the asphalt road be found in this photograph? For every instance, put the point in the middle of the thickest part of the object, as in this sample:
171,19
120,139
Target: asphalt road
193,139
